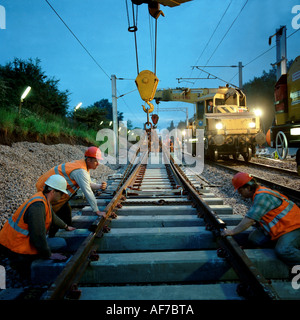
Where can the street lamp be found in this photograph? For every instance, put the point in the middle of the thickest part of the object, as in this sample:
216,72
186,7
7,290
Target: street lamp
78,106
23,96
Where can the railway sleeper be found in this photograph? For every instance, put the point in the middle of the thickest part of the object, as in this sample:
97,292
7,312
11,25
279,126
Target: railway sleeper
160,252
203,291
176,267
165,210
127,242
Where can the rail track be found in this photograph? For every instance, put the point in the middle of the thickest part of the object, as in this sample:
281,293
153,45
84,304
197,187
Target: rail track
284,180
273,169
160,240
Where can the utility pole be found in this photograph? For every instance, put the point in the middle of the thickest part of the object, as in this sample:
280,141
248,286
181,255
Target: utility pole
114,111
184,109
240,75
280,51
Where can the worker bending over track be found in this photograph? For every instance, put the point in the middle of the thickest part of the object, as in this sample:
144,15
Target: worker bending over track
24,235
278,219
77,174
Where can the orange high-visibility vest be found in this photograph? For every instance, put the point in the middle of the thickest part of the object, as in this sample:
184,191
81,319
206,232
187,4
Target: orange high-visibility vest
64,170
282,219
15,234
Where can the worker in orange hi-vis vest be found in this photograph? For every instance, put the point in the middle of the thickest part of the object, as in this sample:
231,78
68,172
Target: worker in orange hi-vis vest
278,219
24,235
77,174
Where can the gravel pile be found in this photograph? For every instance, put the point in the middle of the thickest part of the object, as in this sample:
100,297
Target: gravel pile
219,182
287,164
20,167
23,163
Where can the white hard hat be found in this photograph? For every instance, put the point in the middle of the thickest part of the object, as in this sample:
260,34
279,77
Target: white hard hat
57,182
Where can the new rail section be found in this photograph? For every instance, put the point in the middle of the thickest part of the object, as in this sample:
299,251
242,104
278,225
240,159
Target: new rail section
160,240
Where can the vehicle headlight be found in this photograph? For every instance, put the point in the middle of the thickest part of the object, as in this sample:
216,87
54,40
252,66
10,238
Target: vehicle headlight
219,126
295,131
258,112
252,125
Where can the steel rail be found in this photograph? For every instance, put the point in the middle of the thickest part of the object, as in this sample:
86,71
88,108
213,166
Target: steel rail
66,282
256,285
292,194
266,166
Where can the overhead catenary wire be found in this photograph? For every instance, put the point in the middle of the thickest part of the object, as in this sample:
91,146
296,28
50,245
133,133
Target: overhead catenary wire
226,33
82,45
262,54
87,51
217,26
222,37
205,47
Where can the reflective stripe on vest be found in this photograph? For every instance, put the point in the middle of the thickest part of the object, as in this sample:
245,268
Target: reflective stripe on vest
15,235
64,170
14,224
280,220
69,181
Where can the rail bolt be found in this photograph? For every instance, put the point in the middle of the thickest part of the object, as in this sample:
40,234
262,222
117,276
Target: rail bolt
221,253
113,215
94,256
105,229
200,214
74,293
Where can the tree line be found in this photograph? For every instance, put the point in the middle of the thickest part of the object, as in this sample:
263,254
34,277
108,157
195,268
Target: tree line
46,97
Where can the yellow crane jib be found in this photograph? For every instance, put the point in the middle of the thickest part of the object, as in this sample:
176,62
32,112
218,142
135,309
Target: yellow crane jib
147,82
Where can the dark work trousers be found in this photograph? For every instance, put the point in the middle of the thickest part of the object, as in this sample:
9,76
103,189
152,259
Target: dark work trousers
19,262
65,214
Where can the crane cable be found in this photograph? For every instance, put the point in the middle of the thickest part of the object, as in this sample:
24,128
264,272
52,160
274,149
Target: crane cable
146,81
133,28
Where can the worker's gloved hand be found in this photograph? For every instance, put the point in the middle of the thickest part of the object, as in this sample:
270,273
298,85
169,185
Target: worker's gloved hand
58,256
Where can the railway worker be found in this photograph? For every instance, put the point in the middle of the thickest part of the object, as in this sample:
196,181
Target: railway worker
278,219
210,107
77,174
178,147
24,235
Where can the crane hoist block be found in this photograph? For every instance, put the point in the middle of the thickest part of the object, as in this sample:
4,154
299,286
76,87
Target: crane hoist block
146,82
